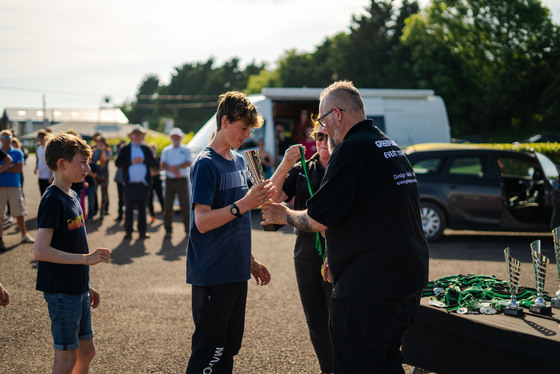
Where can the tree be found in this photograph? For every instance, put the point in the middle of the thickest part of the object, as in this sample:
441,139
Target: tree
191,96
489,59
142,110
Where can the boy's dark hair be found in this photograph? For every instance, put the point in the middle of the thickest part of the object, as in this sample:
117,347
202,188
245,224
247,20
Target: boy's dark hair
64,146
236,106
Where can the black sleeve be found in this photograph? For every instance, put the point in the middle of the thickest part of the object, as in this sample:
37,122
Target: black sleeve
289,186
123,160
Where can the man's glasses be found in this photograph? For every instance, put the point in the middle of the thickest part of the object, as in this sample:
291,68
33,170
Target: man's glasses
6,137
321,136
321,119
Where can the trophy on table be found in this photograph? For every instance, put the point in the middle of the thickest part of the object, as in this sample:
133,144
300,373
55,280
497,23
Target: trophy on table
256,174
513,267
556,238
540,265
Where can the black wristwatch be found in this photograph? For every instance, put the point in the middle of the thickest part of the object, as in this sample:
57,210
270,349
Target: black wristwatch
235,210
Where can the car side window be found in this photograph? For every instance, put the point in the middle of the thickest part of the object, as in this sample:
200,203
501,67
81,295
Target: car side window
466,166
427,165
515,168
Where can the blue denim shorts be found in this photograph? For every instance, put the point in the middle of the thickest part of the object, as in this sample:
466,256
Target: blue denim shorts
70,319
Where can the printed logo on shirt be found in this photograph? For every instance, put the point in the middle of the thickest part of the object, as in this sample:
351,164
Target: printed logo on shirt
234,179
75,223
405,178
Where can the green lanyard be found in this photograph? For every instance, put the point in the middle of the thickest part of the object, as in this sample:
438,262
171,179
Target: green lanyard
317,240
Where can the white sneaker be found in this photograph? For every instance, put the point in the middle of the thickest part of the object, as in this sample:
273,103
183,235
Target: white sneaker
27,239
9,219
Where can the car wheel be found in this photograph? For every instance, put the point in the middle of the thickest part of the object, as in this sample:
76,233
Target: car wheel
433,221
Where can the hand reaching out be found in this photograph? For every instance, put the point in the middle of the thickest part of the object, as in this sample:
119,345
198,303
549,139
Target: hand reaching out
99,255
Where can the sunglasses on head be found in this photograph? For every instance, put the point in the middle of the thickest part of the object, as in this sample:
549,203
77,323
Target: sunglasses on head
319,136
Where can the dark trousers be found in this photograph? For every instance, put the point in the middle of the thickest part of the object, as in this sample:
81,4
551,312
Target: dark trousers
103,183
179,187
219,320
135,196
120,192
367,335
43,184
315,296
157,189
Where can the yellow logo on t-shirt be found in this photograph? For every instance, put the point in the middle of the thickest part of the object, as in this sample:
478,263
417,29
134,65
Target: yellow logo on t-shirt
74,223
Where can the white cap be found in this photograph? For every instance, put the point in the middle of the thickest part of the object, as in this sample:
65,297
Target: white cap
176,131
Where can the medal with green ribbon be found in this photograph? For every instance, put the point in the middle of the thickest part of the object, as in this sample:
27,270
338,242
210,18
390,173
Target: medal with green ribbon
317,240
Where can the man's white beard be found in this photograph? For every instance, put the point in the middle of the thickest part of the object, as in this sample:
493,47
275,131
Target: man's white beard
332,145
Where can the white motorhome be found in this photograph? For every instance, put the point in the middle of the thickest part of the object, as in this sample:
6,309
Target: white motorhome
407,116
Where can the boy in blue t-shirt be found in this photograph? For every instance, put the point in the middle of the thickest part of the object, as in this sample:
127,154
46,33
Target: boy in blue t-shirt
219,260
63,256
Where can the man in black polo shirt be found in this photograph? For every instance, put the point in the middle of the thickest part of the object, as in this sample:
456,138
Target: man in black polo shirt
377,255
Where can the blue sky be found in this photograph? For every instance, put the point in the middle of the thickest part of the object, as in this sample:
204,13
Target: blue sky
77,52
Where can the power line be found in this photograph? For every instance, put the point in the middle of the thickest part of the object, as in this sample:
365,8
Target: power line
54,92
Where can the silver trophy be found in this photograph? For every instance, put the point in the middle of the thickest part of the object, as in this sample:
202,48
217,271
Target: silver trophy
556,239
540,265
256,174
513,267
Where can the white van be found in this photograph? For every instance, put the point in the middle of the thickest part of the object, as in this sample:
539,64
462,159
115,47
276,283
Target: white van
407,116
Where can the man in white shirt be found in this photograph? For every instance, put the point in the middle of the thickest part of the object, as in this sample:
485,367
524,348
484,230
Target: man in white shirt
45,174
175,160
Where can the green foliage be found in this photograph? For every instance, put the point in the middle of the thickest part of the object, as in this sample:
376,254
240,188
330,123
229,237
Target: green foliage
490,60
191,96
551,150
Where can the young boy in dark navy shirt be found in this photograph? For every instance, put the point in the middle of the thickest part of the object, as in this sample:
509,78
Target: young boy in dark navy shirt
219,260
62,251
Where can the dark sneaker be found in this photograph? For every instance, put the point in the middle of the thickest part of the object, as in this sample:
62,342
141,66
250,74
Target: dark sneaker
2,246
128,236
144,235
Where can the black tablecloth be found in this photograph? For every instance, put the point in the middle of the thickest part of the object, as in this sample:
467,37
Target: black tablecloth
445,342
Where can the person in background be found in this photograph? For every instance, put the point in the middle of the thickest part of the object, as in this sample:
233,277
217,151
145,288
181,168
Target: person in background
175,160
102,154
282,143
10,187
266,160
17,145
299,135
310,144
136,159
119,181
377,256
157,187
5,163
291,181
41,169
79,187
90,188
